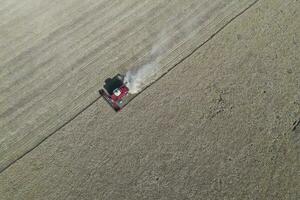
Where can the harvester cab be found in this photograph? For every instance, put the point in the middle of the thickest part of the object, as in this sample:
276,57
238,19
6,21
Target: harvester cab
115,91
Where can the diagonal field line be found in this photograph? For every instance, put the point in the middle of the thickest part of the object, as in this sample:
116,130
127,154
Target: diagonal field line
160,77
196,49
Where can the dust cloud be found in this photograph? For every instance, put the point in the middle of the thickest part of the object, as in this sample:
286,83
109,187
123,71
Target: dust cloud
138,78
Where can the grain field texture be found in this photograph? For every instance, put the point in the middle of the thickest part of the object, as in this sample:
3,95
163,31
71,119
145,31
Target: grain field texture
223,124
55,55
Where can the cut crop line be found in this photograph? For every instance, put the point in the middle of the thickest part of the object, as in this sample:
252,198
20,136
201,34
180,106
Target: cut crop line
160,77
48,136
196,49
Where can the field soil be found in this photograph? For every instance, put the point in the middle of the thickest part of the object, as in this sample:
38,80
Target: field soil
223,123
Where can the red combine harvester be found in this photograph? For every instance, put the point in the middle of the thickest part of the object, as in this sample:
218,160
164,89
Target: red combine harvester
114,91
